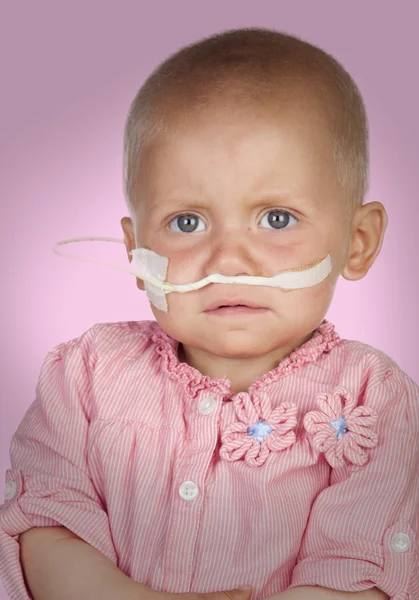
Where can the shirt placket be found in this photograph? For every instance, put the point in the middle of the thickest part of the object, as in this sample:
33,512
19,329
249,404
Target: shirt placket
189,475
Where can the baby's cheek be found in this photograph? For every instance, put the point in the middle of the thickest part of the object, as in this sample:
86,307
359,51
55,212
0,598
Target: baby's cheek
172,322
182,268
321,295
314,300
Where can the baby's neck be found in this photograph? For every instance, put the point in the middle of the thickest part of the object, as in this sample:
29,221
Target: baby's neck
241,372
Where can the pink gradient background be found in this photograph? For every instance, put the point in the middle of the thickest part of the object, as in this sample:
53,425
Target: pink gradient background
69,72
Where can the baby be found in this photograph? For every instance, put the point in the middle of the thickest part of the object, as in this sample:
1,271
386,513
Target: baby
236,439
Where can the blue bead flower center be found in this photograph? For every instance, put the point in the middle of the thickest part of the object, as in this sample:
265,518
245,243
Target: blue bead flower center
341,427
259,430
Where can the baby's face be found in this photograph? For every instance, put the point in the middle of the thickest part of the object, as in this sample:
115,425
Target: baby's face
239,194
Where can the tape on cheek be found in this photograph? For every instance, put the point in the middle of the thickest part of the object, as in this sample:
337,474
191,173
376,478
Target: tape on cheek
149,266
156,296
152,268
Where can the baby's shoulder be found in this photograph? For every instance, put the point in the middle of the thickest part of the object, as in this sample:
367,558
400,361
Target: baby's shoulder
130,337
117,340
371,359
375,371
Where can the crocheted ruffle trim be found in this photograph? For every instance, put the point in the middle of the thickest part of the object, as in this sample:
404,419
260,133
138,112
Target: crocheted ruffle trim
323,340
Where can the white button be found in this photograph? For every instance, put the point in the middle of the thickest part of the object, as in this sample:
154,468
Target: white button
207,405
400,542
188,490
10,490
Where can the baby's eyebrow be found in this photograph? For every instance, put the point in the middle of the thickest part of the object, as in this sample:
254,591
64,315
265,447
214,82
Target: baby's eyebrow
285,200
177,203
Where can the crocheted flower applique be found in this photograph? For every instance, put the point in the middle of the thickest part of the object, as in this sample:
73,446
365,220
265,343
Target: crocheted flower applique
341,429
259,429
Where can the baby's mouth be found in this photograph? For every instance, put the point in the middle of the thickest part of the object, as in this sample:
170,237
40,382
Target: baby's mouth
235,309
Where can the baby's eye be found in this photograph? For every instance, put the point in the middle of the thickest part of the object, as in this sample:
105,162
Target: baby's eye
279,219
185,224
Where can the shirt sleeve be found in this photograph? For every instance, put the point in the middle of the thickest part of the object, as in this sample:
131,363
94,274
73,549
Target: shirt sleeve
363,529
48,483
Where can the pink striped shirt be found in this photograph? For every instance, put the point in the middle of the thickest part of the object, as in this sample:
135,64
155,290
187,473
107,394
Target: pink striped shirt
311,477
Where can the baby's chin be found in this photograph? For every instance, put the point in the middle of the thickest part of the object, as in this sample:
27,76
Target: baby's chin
252,338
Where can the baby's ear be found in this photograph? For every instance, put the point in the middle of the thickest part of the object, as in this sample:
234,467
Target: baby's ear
129,240
368,227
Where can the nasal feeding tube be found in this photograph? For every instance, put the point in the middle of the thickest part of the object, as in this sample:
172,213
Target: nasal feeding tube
152,269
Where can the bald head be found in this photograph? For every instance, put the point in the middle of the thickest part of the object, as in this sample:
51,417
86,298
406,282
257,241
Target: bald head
250,68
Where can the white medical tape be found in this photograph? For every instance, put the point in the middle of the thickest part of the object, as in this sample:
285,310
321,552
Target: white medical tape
152,269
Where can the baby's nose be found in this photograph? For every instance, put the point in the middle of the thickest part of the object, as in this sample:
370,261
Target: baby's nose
233,256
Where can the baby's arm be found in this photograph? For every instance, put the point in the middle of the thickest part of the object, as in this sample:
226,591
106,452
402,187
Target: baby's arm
49,484
363,529
320,593
58,564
